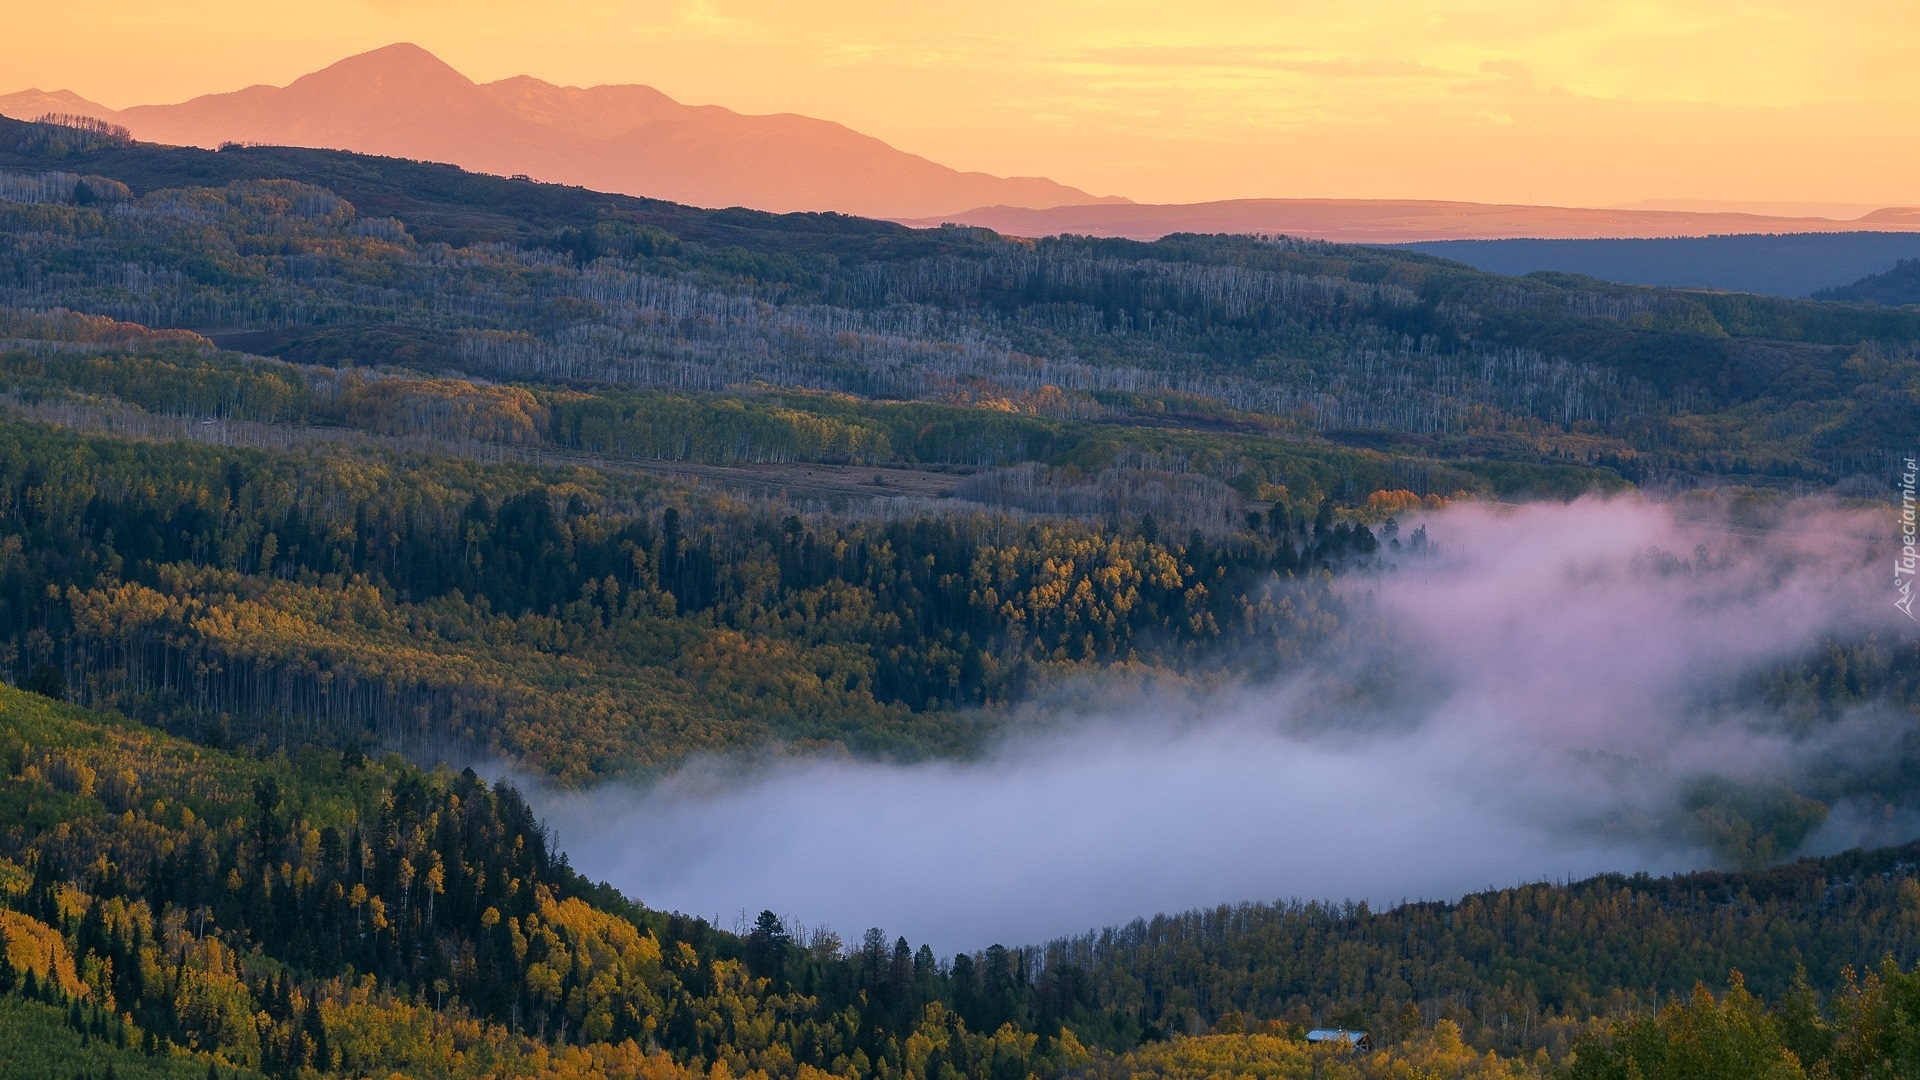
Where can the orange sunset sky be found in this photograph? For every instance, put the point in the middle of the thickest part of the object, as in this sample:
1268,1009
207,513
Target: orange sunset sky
1570,103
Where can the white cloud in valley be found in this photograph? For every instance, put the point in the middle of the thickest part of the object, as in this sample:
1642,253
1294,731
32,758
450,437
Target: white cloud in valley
1528,703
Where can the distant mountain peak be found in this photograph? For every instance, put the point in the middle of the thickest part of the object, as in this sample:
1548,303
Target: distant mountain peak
400,66
400,58
403,101
1894,215
399,52
31,104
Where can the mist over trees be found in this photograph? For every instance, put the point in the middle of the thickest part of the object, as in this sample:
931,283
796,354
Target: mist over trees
316,914
307,457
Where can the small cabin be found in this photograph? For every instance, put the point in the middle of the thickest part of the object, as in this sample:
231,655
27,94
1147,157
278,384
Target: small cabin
1352,1040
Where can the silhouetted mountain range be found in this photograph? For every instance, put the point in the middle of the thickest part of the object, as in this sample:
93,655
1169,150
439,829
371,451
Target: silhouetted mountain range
402,101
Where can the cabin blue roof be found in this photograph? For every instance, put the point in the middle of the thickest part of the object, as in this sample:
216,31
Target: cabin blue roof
1335,1035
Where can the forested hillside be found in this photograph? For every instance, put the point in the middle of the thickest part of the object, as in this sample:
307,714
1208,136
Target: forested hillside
452,517
175,910
1900,285
317,470
1776,263
331,257
584,621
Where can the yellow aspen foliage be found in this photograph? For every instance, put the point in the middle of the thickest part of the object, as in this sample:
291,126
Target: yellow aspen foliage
34,946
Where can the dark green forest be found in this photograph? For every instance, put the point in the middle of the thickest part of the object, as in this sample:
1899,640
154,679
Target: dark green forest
317,470
1895,287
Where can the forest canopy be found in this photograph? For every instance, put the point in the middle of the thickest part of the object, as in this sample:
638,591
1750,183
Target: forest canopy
319,469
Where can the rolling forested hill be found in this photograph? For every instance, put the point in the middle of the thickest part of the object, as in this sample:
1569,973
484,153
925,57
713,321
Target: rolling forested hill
1774,263
174,910
329,257
309,456
1897,286
440,501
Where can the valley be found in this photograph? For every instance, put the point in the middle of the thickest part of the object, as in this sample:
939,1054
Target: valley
466,626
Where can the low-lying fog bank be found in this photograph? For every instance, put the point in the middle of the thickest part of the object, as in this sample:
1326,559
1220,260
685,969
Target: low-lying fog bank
1556,691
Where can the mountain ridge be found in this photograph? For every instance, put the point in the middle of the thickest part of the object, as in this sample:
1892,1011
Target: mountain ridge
1397,221
402,101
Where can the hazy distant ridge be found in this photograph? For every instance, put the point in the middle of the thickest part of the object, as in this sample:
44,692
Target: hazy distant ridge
1789,264
1398,221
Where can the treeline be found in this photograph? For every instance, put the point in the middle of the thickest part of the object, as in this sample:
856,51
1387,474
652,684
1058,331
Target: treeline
1311,337
1899,285
1516,963
282,254
333,915
79,366
585,624
1864,1030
